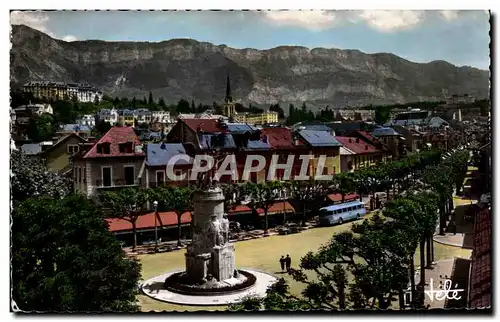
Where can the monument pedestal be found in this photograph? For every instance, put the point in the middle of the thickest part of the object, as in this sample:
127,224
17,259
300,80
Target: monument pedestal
210,253
223,262
197,266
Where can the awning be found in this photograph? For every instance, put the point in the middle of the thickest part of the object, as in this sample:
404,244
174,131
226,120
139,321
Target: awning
147,221
278,208
337,197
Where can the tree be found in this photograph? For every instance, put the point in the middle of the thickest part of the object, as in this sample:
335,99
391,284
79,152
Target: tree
30,178
150,99
133,103
343,183
183,106
117,102
234,195
382,114
65,259
161,102
276,108
40,127
263,195
102,127
127,204
193,107
308,193
96,100
179,200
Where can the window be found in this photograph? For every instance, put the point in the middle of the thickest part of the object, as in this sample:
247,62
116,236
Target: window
79,174
72,149
126,147
106,176
129,173
103,148
84,175
160,178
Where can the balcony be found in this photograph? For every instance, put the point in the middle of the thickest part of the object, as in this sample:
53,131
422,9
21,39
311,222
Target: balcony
116,183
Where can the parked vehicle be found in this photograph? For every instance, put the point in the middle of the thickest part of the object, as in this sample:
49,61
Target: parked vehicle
338,214
288,228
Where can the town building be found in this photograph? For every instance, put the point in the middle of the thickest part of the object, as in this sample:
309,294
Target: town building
116,160
62,90
205,115
411,117
143,115
356,153
58,156
126,117
322,143
162,117
22,114
459,99
158,156
108,115
229,110
82,130
359,115
266,117
393,140
87,120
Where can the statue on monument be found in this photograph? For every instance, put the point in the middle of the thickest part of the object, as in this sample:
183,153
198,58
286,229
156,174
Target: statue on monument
225,228
215,231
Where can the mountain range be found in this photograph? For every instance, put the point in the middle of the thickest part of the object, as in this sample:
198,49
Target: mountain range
185,68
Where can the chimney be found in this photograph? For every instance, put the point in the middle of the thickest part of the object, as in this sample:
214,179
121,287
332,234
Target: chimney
357,140
350,140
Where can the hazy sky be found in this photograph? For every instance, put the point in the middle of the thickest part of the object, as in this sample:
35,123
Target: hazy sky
460,37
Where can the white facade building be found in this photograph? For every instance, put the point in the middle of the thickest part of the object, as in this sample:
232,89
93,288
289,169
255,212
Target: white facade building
108,115
161,116
143,115
87,119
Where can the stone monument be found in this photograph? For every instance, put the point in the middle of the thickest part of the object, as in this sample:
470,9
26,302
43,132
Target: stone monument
210,255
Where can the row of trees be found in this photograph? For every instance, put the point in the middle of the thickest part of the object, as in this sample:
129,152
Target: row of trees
372,264
131,203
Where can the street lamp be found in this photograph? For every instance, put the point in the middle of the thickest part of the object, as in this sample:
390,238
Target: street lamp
155,205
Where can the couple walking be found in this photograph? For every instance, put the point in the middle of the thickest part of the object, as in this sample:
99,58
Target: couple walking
285,262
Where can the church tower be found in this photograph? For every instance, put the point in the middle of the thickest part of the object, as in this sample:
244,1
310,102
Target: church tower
229,108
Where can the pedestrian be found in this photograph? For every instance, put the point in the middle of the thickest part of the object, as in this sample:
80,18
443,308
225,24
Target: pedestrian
288,262
282,263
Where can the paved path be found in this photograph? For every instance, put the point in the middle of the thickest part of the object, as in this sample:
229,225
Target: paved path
456,270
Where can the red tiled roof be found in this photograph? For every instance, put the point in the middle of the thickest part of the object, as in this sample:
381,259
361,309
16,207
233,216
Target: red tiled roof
115,136
335,197
279,138
481,282
359,147
168,218
277,207
367,136
206,125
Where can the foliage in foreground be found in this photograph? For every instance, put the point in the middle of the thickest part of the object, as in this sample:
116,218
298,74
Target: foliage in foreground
65,259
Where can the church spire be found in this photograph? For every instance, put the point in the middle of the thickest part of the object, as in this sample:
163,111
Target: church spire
229,98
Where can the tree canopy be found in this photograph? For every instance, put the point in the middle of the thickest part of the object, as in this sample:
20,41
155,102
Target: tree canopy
30,178
65,259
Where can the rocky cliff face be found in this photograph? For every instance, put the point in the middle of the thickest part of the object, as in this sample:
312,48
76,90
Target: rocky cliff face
182,68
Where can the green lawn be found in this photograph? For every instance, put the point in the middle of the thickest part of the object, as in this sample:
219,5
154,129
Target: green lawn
262,254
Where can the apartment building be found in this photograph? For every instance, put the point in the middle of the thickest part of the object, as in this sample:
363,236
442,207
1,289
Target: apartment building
117,160
62,90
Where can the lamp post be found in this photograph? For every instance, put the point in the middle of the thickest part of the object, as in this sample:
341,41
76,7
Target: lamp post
155,205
